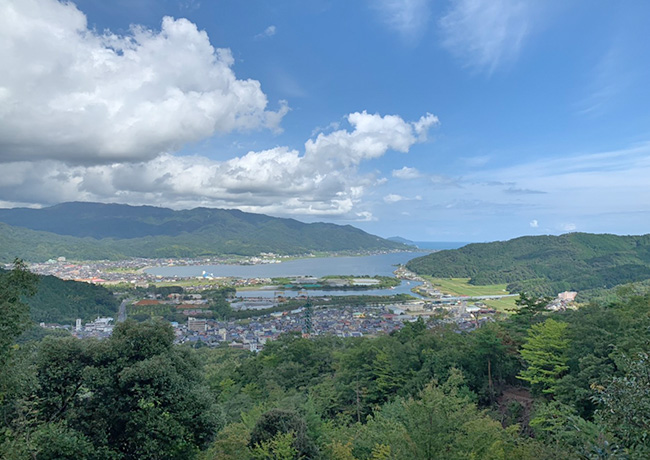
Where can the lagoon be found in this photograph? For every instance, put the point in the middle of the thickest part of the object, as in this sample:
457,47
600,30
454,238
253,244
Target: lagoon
404,288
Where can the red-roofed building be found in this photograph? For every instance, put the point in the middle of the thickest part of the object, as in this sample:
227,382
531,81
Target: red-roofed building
146,302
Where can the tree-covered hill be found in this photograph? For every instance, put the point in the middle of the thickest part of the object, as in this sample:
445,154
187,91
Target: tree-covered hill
59,301
545,264
112,231
63,301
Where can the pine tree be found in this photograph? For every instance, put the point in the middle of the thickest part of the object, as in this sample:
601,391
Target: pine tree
545,353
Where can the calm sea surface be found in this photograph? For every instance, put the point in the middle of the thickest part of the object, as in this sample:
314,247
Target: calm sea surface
381,264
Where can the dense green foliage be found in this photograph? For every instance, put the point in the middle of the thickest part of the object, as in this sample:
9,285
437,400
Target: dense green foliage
14,312
545,265
625,406
538,385
132,396
92,231
60,301
420,393
276,421
616,293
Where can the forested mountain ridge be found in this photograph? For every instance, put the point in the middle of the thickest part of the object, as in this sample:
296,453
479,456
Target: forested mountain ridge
545,264
112,231
121,221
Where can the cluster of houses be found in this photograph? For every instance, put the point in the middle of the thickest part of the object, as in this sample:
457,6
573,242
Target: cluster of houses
131,271
341,322
99,328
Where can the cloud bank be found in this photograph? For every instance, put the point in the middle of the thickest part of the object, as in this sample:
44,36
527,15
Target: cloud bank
324,180
96,116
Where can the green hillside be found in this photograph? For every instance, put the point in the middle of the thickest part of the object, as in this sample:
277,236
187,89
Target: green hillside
545,264
93,231
59,301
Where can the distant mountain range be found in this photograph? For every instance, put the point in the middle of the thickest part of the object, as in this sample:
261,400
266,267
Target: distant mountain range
545,264
92,231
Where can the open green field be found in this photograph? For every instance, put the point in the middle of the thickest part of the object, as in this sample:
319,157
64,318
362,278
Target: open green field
189,282
123,270
505,304
461,286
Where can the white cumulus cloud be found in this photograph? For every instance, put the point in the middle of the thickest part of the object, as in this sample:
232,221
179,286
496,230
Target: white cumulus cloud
372,136
81,96
534,224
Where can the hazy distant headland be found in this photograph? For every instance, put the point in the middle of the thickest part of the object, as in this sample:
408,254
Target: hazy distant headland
430,245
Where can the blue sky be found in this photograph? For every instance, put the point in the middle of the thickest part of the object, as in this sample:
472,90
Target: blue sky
465,120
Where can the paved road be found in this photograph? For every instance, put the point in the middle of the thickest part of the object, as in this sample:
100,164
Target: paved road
121,316
479,297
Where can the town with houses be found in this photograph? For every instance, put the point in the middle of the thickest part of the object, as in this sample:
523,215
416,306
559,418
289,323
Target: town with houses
133,271
253,333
